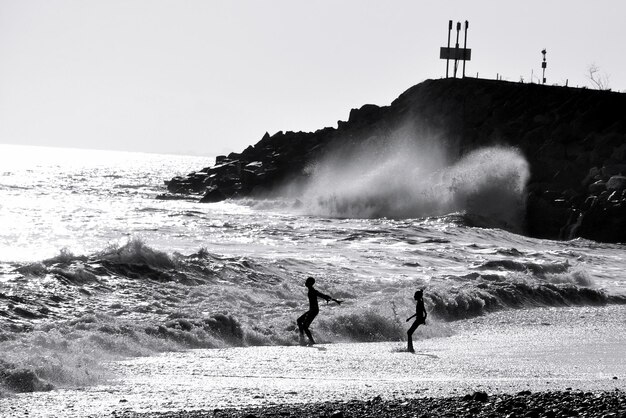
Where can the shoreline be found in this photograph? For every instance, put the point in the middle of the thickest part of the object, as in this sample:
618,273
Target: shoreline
478,404
567,356
545,363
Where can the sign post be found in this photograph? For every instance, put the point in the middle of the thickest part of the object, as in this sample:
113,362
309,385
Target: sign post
448,59
544,64
457,54
465,45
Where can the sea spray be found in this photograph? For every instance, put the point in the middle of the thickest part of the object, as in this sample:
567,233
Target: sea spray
490,183
405,177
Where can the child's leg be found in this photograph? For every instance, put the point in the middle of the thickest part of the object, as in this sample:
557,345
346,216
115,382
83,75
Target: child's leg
306,323
410,335
308,334
301,320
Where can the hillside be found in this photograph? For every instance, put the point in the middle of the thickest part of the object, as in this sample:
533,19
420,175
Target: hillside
574,141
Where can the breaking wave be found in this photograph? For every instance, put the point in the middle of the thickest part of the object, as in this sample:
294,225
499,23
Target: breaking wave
478,294
75,313
406,178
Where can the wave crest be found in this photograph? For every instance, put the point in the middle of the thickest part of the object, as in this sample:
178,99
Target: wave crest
477,294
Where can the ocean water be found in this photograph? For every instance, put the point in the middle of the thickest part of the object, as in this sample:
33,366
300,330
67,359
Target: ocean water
95,270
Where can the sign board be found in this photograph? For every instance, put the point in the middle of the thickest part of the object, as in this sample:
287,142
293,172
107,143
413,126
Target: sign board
461,54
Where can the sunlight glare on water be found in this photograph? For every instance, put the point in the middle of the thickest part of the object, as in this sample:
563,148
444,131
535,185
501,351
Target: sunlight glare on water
53,198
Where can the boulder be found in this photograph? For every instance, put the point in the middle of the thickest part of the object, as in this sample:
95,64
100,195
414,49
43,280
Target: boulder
597,187
213,195
613,169
616,183
367,114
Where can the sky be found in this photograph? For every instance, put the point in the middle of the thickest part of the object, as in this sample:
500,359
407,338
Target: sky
212,76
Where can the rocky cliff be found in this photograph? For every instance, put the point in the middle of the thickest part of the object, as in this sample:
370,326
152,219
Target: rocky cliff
574,141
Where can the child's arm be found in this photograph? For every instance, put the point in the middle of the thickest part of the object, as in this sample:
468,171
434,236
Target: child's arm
321,295
327,298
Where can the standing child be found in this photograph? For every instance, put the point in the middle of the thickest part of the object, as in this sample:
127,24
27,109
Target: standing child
420,317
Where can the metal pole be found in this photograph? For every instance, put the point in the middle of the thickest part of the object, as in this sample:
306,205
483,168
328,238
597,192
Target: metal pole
543,66
465,47
448,59
456,51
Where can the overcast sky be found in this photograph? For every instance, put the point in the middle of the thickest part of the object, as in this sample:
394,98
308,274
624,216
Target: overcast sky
212,76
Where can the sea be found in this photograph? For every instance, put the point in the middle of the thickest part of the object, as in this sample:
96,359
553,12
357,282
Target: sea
95,270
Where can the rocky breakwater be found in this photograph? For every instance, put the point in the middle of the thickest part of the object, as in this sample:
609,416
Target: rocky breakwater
257,171
573,139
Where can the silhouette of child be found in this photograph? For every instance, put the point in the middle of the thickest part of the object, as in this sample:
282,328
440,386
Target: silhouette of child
305,320
420,318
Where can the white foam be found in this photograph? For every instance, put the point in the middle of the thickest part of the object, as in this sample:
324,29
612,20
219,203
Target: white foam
542,349
408,177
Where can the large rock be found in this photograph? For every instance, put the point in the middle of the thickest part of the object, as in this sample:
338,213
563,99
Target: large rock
616,183
213,195
574,140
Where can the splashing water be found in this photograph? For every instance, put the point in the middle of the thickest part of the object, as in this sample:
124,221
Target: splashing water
231,273
404,178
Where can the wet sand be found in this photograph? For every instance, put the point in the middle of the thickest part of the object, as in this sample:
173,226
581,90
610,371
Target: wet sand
544,350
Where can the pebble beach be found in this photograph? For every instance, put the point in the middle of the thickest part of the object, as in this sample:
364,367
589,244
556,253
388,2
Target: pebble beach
478,404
